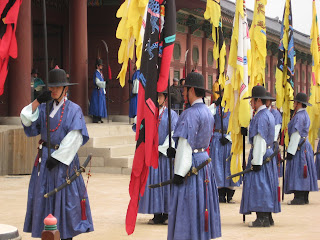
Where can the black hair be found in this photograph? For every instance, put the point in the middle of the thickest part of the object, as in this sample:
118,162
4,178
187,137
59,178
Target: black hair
264,101
200,92
304,105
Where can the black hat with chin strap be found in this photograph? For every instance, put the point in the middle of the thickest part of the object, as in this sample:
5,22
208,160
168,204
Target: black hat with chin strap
259,92
301,98
195,80
58,78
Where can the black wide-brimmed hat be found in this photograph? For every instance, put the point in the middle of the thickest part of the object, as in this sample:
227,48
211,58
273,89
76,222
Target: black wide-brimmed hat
259,92
269,95
99,62
301,98
195,80
58,78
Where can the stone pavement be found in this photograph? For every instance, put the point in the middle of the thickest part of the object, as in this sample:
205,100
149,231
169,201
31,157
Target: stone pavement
109,199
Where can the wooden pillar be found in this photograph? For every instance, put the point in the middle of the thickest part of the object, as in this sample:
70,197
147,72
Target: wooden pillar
79,53
272,75
189,57
19,74
204,60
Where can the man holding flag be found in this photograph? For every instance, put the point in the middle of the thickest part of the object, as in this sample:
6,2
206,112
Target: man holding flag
194,207
260,193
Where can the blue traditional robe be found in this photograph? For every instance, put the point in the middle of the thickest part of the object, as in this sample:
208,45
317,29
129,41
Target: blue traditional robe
189,200
277,121
65,204
294,179
219,153
318,161
134,96
98,98
260,193
157,200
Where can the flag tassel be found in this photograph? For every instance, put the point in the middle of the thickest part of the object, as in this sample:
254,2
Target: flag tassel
83,209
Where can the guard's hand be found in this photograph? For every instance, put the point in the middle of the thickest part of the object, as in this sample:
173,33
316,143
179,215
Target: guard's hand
51,163
171,152
224,141
244,131
289,156
44,97
177,179
218,102
256,168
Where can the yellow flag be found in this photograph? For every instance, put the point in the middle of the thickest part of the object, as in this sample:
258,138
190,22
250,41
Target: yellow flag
285,69
313,111
236,85
130,31
258,45
213,14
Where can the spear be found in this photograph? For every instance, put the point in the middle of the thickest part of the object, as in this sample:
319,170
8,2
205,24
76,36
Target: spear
46,73
169,125
185,63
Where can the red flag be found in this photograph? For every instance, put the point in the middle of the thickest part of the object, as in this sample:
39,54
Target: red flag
158,43
9,10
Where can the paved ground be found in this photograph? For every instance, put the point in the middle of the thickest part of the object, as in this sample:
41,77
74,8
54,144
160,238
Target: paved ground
109,198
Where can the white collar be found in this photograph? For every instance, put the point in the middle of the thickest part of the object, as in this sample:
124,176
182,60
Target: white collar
261,108
301,109
199,100
161,110
57,107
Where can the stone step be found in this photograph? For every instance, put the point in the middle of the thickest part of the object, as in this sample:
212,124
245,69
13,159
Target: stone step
111,170
102,130
113,140
123,161
122,150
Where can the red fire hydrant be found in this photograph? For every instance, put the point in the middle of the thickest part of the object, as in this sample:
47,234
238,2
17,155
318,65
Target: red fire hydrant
50,231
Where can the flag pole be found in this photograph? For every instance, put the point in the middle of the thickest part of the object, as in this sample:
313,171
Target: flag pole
129,88
244,164
46,72
169,125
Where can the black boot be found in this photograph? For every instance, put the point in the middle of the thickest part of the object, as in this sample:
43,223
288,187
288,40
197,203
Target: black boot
306,197
157,219
100,120
230,193
95,119
261,221
222,195
67,239
271,219
299,198
165,218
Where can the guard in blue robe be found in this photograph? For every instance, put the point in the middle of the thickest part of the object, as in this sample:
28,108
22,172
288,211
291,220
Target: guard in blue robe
194,204
220,150
259,192
318,161
67,133
134,95
156,201
98,107
301,174
278,123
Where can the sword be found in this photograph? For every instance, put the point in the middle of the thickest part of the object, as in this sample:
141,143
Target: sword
72,178
228,158
268,159
193,171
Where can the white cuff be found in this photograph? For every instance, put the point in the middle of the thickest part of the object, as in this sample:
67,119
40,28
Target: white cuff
183,160
213,109
163,148
293,143
69,146
27,116
259,150
228,136
277,131
100,84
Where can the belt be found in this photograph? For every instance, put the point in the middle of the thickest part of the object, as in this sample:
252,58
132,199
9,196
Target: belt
300,145
268,147
220,131
199,150
52,146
